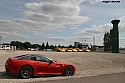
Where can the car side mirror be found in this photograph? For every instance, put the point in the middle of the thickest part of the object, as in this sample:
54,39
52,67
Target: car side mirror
51,61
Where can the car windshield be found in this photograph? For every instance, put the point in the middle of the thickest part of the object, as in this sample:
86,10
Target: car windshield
45,59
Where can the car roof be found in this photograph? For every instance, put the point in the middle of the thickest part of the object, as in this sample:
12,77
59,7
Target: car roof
29,55
34,55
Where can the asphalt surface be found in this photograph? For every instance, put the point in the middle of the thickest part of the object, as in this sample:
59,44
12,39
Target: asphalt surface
110,78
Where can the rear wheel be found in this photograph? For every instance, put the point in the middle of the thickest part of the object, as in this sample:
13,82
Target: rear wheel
26,72
7,71
68,71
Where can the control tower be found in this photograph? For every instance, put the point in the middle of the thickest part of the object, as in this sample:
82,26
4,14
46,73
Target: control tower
115,36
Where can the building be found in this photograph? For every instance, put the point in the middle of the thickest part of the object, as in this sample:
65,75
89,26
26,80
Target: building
81,45
7,47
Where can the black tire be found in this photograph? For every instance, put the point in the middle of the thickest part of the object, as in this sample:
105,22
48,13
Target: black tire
26,72
68,71
7,71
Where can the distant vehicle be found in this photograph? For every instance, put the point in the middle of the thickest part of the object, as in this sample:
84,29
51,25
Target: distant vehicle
69,50
30,65
79,50
85,50
60,49
74,50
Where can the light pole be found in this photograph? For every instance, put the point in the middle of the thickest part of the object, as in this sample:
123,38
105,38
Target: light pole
93,40
0,42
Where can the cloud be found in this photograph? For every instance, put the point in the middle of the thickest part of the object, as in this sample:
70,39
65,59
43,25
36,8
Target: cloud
122,24
59,38
64,20
95,30
94,1
44,16
98,31
122,18
73,27
57,12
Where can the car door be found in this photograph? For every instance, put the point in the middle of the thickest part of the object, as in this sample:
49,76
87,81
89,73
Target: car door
53,68
46,66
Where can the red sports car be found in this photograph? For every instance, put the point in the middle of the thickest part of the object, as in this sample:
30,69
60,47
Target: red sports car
30,65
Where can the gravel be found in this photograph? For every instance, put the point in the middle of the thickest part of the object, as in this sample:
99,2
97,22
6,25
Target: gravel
87,64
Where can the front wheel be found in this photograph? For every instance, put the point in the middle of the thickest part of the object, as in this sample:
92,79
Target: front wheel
68,71
26,72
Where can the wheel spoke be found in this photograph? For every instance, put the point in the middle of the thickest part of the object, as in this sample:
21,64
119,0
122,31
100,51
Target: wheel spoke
69,71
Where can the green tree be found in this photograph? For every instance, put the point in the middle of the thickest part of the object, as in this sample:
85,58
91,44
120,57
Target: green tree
47,46
19,45
107,42
62,46
70,46
52,47
27,45
59,46
36,46
43,46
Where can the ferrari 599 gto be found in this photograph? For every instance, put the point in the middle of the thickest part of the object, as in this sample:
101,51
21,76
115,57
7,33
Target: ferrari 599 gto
30,65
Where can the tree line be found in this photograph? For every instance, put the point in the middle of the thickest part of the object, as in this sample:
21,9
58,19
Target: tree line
24,46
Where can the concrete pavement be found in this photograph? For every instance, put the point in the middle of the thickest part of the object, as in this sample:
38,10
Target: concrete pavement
109,78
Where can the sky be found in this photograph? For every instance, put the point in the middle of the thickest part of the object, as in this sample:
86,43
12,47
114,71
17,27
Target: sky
60,22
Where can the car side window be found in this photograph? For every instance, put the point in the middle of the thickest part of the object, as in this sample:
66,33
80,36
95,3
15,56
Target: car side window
33,58
44,59
38,58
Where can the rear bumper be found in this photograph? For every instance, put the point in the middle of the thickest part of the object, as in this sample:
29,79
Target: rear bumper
10,72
